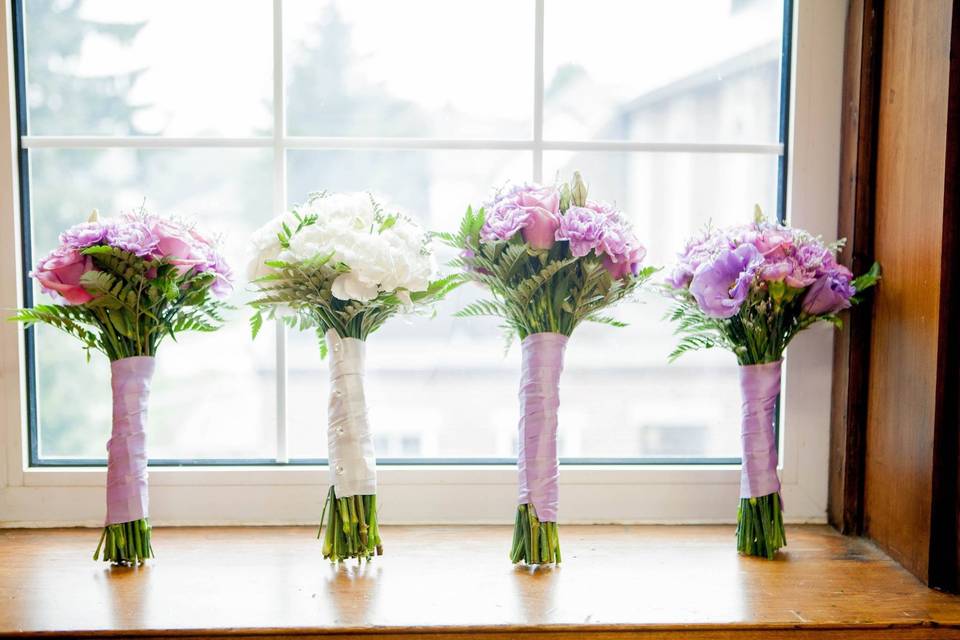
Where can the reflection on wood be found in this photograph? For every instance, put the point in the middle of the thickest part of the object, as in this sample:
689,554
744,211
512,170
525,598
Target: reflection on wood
672,582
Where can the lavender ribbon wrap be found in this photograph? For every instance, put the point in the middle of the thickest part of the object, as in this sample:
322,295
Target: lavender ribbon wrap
127,498
537,465
353,463
759,388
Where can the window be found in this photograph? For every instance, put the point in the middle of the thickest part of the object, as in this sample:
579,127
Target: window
676,111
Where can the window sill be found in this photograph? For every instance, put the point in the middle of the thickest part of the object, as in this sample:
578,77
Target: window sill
415,495
657,581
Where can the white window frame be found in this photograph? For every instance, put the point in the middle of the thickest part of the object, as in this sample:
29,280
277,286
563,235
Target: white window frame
48,496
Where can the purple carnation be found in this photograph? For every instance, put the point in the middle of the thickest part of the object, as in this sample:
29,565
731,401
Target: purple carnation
503,223
619,242
85,234
583,227
721,285
520,207
133,235
223,284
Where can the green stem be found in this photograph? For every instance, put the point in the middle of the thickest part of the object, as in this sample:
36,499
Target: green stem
125,543
534,542
760,530
349,527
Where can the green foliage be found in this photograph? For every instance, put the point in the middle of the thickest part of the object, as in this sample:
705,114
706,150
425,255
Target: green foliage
866,280
537,291
300,294
767,321
759,333
137,303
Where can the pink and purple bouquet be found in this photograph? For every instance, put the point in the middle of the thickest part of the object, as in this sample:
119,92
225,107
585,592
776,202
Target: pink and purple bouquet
751,289
121,286
552,258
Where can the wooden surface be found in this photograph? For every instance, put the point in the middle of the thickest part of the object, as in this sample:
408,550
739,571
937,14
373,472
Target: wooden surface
851,348
911,147
945,512
616,581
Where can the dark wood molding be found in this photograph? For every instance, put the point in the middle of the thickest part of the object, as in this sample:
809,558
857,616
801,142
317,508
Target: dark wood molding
851,358
945,508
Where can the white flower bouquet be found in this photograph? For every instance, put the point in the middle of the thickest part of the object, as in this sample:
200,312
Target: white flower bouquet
341,266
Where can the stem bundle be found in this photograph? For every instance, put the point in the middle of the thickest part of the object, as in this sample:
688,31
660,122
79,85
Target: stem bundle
760,526
125,543
352,529
534,542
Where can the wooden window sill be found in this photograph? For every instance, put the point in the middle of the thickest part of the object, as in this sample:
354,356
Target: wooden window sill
445,582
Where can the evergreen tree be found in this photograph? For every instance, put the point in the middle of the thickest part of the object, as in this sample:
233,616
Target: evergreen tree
322,100
64,187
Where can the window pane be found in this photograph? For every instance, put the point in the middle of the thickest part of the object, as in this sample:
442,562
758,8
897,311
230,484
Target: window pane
213,394
431,382
150,67
621,398
680,71
418,68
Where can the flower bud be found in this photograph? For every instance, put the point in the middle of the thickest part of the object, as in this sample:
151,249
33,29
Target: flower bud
578,190
564,197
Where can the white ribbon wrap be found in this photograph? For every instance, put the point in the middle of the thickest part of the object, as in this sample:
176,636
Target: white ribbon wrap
353,464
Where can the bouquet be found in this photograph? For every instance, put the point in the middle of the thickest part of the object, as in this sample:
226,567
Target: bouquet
340,265
551,258
121,286
751,289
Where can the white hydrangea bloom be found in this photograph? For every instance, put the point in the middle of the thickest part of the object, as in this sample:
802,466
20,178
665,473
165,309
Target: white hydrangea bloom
348,227
264,246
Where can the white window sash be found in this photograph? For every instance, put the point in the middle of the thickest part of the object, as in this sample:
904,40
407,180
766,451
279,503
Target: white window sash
455,493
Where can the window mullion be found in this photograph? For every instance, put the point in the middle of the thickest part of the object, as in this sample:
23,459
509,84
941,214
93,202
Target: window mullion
538,92
279,204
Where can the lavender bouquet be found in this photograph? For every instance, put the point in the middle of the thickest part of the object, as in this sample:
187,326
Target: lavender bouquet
552,259
121,286
751,289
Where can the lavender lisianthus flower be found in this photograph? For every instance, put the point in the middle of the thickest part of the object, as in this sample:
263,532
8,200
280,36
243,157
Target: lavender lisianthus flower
583,227
830,293
680,277
722,284
85,234
697,251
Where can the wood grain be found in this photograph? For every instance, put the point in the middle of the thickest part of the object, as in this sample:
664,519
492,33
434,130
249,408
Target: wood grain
851,352
444,582
911,148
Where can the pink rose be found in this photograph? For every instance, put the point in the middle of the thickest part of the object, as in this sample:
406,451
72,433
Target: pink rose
543,206
779,270
176,243
627,265
172,240
59,274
